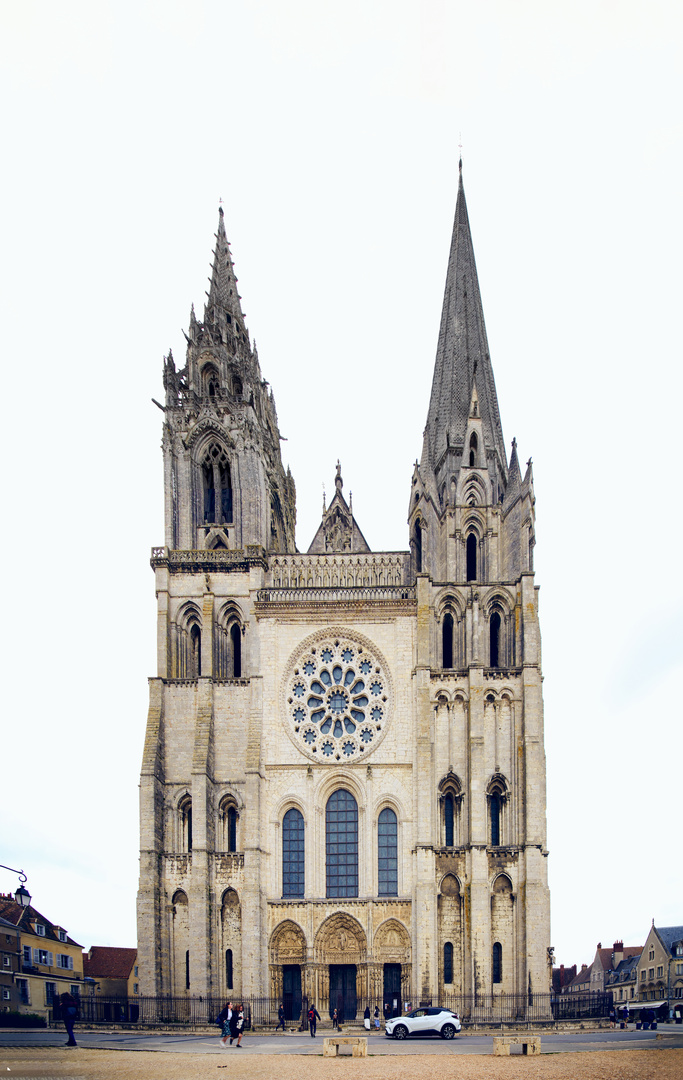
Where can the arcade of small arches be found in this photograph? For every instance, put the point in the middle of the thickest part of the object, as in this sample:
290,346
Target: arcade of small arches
227,822
499,643
227,633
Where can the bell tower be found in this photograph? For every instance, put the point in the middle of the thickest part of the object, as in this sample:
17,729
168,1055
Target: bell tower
224,481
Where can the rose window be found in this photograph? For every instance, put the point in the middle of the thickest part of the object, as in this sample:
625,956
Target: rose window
337,699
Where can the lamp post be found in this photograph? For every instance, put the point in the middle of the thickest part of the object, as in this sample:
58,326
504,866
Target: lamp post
22,895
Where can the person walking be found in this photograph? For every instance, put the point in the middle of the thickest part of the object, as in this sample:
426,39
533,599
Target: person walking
377,1017
69,1013
366,1018
239,1027
223,1018
281,1018
335,1020
313,1017
234,1017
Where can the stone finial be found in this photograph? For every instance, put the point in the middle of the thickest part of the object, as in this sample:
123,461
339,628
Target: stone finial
338,482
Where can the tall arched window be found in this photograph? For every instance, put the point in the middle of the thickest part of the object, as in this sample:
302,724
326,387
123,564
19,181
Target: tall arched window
473,449
448,817
341,826
497,962
195,651
228,969
217,486
447,642
185,823
448,962
471,552
417,537
387,852
494,640
232,828
494,813
236,650
293,853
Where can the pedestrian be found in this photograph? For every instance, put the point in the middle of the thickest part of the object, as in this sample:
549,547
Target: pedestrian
335,1020
281,1018
223,1019
240,1026
234,1017
366,1018
313,1017
626,1016
377,1017
69,1014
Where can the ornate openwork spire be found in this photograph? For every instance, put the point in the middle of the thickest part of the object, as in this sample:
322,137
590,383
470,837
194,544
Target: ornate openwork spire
223,293
462,356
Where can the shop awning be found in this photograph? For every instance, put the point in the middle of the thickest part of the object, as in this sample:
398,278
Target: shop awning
633,1005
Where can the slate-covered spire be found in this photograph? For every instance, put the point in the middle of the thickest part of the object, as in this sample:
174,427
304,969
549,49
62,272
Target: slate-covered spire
222,295
462,357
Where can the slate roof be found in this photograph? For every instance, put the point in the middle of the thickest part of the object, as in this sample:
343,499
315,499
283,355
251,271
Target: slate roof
669,934
605,955
107,962
22,917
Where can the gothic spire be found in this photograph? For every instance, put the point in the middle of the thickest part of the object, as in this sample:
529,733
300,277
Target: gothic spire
462,356
223,295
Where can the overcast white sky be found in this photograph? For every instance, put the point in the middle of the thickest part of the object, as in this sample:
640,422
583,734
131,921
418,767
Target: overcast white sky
331,132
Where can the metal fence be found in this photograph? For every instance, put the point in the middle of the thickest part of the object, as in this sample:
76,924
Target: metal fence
263,1011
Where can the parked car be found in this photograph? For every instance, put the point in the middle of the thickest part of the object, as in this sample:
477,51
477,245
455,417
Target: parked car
431,1021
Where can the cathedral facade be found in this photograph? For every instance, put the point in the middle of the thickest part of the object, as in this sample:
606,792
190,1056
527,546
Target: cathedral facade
343,783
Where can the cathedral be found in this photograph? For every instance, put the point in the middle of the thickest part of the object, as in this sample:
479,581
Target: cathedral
343,794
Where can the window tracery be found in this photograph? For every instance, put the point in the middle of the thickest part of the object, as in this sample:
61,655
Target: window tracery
217,486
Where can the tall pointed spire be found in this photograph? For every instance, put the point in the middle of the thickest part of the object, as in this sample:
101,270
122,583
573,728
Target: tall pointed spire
223,293
462,356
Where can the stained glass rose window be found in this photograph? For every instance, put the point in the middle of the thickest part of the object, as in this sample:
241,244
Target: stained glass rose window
337,698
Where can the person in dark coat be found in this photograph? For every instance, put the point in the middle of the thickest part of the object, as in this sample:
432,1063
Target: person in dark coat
239,1027
313,1017
234,1019
224,1019
366,1018
281,1018
377,1017
69,1013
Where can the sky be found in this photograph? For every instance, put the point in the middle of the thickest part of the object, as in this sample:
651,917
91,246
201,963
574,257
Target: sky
332,134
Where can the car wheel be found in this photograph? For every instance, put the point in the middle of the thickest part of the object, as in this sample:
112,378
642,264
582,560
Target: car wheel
447,1031
400,1031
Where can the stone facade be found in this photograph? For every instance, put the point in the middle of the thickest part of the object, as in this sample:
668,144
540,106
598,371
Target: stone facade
343,781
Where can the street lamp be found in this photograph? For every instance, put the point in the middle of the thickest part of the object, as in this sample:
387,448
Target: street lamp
22,895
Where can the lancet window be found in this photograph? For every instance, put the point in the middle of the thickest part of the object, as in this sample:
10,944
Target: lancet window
187,644
185,824
473,449
498,808
228,644
228,819
387,852
497,963
450,790
341,822
217,487
293,853
448,962
471,551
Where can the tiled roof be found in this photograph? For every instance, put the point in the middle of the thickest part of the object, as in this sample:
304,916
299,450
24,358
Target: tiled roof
605,955
105,962
22,917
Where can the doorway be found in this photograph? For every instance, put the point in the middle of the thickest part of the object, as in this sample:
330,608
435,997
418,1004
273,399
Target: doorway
291,991
392,990
343,991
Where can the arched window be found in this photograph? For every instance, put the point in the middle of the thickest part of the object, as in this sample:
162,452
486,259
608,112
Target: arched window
185,823
293,853
448,962
195,651
448,817
473,449
471,551
447,636
494,640
497,962
494,814
228,969
387,853
417,537
232,828
187,969
210,381
236,650
341,826
217,486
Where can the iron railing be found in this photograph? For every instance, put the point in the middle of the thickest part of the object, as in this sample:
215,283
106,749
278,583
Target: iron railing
263,1011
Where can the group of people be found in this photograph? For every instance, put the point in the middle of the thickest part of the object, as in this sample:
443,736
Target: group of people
231,1020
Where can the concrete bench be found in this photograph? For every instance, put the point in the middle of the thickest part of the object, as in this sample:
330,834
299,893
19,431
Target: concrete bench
531,1044
357,1042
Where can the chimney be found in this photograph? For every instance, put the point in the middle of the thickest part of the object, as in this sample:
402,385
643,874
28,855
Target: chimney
617,953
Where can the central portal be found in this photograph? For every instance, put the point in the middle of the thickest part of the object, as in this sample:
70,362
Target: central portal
343,991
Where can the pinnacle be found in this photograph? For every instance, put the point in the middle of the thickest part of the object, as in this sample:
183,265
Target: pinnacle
223,283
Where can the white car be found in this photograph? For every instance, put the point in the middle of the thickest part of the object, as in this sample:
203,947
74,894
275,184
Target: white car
431,1021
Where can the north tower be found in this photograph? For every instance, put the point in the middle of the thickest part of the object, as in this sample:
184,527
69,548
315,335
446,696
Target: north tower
343,781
